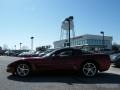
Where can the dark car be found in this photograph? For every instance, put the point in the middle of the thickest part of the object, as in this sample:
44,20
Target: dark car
106,51
117,61
9,53
66,59
114,57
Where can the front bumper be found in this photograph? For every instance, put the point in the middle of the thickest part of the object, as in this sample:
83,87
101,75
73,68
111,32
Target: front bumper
10,69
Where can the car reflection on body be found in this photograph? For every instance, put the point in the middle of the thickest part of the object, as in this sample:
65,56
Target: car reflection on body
66,59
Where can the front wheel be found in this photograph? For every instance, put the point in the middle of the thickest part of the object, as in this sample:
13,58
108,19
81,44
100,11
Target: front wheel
89,69
23,70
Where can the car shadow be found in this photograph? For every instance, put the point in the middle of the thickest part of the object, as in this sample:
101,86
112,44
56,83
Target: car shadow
100,78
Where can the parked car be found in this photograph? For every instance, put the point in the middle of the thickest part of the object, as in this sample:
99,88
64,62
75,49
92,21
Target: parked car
106,51
9,53
114,57
116,62
28,54
66,59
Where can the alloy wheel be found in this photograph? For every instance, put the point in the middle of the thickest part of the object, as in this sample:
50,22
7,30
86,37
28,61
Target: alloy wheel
23,70
89,69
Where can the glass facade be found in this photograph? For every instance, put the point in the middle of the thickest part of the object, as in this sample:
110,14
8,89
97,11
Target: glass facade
78,42
94,41
89,42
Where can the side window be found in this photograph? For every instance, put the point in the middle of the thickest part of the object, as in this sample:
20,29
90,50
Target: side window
77,52
66,53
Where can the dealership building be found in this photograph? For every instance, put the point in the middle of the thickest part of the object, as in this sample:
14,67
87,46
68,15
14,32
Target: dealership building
86,41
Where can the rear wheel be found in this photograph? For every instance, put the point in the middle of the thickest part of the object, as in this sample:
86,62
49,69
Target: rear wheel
89,69
23,70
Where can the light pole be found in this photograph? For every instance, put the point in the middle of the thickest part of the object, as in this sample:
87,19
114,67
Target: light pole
20,45
32,42
70,18
15,47
103,43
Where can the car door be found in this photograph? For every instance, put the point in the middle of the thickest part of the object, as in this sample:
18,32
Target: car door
51,62
62,60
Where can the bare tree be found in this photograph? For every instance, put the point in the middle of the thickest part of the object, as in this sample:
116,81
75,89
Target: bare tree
5,47
43,48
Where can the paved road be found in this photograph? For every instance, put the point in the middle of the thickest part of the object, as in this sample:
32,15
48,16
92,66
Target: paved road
109,80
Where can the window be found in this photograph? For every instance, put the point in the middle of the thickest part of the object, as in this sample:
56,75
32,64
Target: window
78,42
65,53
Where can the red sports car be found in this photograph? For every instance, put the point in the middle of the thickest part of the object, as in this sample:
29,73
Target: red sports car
66,59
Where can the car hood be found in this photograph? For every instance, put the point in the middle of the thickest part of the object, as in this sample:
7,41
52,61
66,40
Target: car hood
26,59
29,59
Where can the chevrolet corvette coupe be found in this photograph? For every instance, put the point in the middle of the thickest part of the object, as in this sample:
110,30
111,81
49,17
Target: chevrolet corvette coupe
65,59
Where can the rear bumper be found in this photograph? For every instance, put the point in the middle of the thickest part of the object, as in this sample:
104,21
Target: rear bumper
104,68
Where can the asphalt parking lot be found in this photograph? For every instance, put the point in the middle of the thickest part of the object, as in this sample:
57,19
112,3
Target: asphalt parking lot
109,80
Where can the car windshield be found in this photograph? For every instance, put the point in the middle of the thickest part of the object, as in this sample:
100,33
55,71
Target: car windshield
48,53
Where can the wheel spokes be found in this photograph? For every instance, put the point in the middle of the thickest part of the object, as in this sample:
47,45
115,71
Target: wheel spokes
89,69
23,70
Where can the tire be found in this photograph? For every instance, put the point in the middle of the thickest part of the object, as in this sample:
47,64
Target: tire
23,70
89,69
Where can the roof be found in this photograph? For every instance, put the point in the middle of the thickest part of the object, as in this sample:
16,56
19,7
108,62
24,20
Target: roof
86,36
